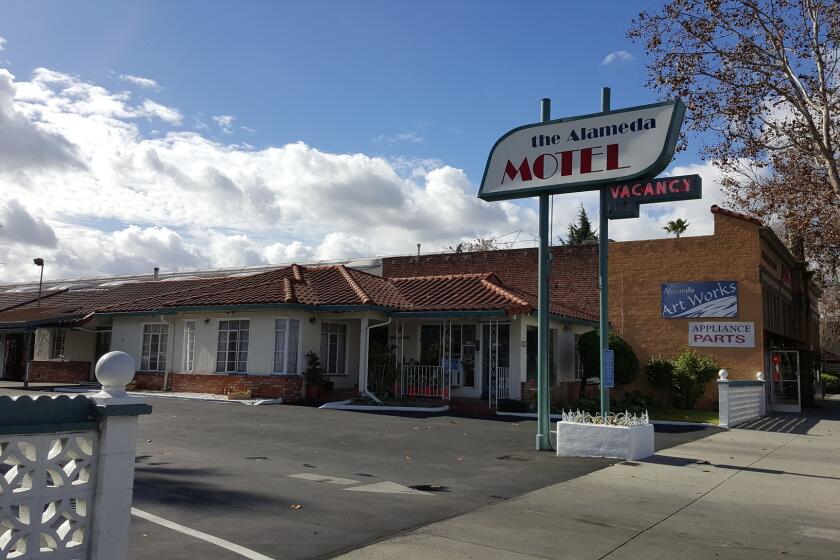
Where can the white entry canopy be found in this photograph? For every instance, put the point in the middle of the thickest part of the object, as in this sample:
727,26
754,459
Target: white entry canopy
583,153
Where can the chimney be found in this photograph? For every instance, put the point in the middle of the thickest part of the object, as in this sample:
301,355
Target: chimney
157,273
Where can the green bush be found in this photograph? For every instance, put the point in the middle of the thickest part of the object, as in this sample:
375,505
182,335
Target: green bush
692,371
635,402
626,362
660,373
831,383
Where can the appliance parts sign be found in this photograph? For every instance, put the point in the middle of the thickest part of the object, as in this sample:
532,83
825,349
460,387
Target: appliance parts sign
722,335
700,299
583,153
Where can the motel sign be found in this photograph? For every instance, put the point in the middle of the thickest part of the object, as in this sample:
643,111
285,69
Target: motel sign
582,153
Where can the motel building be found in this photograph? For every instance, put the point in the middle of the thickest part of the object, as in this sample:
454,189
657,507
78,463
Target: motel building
459,327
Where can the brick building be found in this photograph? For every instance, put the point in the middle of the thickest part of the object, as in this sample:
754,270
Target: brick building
776,298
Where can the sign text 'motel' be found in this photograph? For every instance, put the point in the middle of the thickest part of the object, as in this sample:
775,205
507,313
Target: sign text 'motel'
583,153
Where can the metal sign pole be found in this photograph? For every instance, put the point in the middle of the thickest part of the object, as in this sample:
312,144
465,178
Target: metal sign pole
544,271
603,278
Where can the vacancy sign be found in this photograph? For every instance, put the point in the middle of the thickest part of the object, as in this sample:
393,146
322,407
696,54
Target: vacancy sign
623,199
721,335
583,153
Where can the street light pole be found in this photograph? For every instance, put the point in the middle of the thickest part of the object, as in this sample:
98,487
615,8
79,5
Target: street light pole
39,262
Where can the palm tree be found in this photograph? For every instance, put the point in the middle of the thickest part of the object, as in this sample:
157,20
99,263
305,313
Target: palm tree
677,227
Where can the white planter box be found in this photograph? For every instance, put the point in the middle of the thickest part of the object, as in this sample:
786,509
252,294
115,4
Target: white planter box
597,440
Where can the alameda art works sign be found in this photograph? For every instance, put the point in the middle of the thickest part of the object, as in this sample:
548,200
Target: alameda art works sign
721,335
700,299
583,153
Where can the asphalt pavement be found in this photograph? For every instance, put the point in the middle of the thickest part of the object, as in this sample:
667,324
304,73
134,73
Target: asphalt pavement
289,482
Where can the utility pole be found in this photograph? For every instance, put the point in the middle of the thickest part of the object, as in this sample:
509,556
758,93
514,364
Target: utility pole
603,279
544,271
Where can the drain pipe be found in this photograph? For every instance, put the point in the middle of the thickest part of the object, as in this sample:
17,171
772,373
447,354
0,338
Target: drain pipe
365,390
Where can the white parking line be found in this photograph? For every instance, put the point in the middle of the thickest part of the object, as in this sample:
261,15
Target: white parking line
241,550
329,479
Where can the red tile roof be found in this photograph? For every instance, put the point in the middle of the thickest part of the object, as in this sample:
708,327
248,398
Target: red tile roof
323,286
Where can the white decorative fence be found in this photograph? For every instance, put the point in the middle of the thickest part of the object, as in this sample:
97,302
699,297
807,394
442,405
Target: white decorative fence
504,376
740,401
67,471
425,381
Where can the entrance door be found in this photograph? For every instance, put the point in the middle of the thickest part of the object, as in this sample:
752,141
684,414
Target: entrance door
103,346
784,386
14,366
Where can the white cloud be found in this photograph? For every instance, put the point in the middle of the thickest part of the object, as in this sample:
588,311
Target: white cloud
617,56
2,44
411,137
19,226
140,81
225,122
125,201
98,196
164,113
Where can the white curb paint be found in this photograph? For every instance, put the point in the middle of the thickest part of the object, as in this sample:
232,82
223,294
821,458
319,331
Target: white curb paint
241,550
345,405
328,479
387,487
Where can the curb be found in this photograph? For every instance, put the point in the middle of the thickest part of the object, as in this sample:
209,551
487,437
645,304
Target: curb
345,405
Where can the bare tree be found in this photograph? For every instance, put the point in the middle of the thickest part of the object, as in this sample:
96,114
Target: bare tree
764,77
762,74
478,244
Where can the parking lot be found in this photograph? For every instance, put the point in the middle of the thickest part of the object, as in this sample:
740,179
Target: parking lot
298,482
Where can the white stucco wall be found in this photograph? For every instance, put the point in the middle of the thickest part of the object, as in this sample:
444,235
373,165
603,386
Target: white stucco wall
127,336
78,345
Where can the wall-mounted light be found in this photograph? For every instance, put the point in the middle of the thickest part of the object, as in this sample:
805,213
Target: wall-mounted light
312,320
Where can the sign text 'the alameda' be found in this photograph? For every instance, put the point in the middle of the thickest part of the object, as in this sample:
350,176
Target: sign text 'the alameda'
570,155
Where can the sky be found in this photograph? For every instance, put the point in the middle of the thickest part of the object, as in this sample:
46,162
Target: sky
192,135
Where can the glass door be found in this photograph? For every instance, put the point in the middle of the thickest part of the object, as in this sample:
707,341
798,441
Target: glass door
784,386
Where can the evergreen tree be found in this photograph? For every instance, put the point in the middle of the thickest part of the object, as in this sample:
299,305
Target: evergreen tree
580,232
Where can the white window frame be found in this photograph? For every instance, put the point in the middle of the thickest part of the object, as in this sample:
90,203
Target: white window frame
346,349
238,341
578,361
188,362
54,337
297,354
165,347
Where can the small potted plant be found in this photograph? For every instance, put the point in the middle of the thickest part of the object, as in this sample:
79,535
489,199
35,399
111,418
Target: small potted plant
314,376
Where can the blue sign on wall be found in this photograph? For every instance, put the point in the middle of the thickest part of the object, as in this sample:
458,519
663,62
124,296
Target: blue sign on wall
609,369
700,299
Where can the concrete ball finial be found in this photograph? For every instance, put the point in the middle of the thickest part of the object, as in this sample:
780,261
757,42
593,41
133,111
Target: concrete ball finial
115,370
724,375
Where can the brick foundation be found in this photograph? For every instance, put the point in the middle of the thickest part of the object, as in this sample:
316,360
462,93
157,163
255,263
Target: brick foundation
562,392
287,387
59,372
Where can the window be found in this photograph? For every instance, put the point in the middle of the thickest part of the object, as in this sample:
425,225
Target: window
334,348
578,361
153,353
232,349
286,345
57,348
189,345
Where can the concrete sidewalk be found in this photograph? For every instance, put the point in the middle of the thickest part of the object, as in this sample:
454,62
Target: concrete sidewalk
740,494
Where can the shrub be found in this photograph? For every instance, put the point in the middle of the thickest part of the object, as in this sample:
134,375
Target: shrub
660,373
626,362
692,371
831,383
635,402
